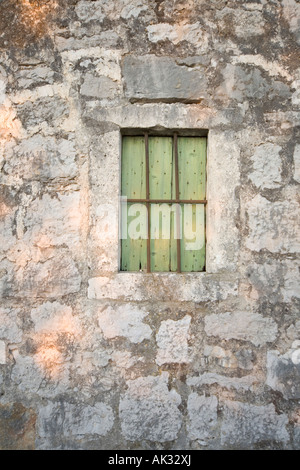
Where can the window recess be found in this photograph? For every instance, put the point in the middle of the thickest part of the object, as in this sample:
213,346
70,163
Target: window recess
163,187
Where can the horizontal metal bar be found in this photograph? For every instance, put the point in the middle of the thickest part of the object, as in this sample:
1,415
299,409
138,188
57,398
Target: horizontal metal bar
167,201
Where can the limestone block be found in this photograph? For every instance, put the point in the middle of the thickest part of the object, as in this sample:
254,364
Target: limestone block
9,325
245,326
273,225
55,277
50,110
244,425
2,352
202,412
278,280
195,287
179,32
125,320
54,317
160,78
98,87
172,341
231,383
54,221
241,83
283,373
148,410
266,166
30,77
297,163
291,12
42,158
74,420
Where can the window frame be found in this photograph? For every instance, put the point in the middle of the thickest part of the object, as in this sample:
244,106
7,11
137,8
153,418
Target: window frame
146,133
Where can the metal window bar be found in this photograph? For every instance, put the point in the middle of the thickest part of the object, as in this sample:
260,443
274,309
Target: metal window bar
149,201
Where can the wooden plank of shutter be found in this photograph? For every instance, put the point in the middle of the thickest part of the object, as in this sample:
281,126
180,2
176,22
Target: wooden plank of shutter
192,185
160,187
133,185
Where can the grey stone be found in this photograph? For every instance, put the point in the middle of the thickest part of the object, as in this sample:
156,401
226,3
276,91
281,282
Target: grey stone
283,373
125,320
74,420
172,341
42,159
235,383
149,411
153,78
2,352
246,326
49,110
55,277
98,87
203,417
273,225
245,425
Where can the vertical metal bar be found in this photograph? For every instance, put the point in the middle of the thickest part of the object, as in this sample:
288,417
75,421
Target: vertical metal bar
148,205
177,210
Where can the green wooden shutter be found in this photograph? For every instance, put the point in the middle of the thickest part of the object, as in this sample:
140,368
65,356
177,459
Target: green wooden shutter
133,182
161,186
192,185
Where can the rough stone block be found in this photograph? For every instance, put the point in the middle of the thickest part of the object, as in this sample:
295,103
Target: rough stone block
203,418
2,352
75,420
98,87
273,225
267,166
245,425
153,78
125,320
245,326
149,411
283,373
172,341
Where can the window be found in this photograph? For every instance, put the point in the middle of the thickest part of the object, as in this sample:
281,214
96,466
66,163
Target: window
163,187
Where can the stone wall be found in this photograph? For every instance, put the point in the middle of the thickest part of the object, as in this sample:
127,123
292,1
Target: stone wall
91,358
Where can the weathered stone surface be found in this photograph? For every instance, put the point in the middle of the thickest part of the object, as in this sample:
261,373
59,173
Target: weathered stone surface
74,420
283,373
241,83
160,78
125,320
9,325
177,33
53,278
231,383
2,352
245,326
42,159
149,411
54,317
245,425
273,225
49,110
54,221
203,418
228,359
186,287
267,166
172,341
17,427
278,280
98,87
297,163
